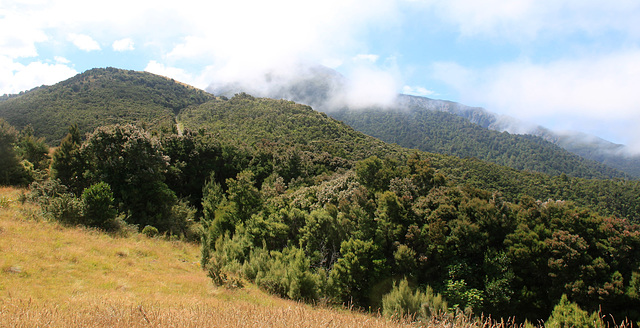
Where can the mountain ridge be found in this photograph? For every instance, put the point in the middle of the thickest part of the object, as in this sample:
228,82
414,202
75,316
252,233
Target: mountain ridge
311,135
327,90
100,95
442,128
588,146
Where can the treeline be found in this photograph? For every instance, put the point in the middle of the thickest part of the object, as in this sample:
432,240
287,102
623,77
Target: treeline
247,120
444,133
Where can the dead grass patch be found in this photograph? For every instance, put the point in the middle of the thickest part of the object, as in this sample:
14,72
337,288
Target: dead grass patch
57,276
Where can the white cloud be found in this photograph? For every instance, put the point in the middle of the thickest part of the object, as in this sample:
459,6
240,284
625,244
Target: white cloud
174,73
521,20
18,38
61,60
417,91
15,77
125,44
83,42
370,87
232,40
370,58
592,90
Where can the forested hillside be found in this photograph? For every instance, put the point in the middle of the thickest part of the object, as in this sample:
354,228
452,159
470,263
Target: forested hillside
309,209
246,119
98,97
586,146
279,124
445,133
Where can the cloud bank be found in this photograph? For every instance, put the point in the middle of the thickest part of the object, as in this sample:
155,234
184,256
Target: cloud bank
571,61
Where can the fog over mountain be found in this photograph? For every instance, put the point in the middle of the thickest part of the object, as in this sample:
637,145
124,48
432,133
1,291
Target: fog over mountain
327,90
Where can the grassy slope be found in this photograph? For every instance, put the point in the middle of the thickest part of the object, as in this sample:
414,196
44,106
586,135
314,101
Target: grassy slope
51,275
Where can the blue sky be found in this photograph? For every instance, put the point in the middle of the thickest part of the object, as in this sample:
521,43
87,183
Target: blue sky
565,64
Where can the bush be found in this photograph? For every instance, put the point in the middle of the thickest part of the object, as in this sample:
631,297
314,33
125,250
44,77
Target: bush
285,273
182,215
98,205
66,208
403,303
11,170
150,231
570,315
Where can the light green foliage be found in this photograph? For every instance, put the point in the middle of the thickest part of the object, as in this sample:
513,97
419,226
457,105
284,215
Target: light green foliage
403,303
66,208
371,173
244,195
212,197
285,273
182,217
57,201
24,158
321,237
405,259
459,293
567,314
634,286
357,271
32,149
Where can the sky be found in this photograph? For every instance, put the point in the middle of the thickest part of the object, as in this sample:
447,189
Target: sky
564,64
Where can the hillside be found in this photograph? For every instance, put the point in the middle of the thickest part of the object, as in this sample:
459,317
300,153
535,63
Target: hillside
589,147
309,209
311,137
446,133
325,89
58,276
282,126
98,97
249,120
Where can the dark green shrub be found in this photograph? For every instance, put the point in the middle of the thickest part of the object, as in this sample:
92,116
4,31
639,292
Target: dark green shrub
98,205
67,163
11,171
130,160
66,208
150,231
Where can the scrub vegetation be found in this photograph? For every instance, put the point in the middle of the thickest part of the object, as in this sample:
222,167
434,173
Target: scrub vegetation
285,200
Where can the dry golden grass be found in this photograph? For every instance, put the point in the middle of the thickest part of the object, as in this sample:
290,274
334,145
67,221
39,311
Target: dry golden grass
57,276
